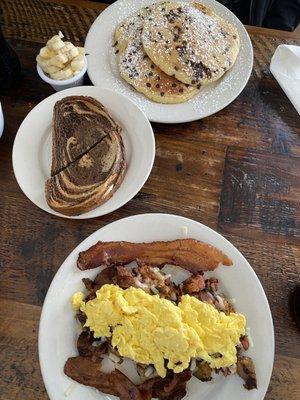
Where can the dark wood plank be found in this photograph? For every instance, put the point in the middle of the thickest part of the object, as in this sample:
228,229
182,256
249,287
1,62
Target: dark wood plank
20,376
260,195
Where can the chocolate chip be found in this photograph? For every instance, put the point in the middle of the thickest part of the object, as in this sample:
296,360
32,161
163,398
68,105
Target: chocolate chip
180,90
234,37
193,82
152,66
176,68
158,77
186,85
114,45
150,73
117,51
148,84
157,85
162,94
174,85
198,86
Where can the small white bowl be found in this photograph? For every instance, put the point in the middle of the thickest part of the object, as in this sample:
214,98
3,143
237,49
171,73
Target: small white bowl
58,85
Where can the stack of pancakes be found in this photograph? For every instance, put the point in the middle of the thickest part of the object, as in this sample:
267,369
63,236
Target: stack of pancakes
168,50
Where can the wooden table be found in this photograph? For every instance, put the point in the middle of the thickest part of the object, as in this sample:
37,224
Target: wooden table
237,171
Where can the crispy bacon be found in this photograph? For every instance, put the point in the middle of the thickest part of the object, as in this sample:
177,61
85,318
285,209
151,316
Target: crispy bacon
86,371
191,254
124,278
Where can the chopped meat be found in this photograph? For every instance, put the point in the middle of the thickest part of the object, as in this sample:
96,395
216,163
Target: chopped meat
245,342
81,317
191,254
246,370
89,284
228,307
219,301
203,372
172,387
124,277
206,297
156,279
85,346
193,284
103,278
149,274
212,284
86,371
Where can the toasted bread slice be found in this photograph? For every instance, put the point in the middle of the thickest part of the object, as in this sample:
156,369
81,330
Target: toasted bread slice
90,180
79,123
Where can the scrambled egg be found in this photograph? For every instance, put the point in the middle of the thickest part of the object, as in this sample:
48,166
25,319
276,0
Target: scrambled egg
150,330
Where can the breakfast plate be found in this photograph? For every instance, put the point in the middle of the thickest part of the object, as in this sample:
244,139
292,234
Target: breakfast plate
59,330
32,148
103,71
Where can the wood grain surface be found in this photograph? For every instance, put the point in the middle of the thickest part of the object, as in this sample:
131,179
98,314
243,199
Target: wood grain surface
237,171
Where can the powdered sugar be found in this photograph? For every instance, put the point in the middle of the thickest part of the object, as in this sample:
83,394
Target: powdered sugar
194,42
136,67
103,71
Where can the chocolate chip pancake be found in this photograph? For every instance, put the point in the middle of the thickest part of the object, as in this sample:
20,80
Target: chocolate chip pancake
189,41
137,69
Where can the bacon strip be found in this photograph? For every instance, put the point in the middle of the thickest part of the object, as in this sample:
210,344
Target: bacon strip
186,253
86,371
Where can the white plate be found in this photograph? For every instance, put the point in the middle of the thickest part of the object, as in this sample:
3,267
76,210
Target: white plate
102,68
58,329
32,148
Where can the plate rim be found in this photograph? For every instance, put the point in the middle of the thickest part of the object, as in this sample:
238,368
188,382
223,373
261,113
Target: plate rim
65,263
93,76
71,90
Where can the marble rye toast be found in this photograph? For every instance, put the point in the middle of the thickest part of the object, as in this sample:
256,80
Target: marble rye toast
88,172
79,123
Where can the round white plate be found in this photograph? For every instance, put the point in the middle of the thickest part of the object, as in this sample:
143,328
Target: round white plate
32,148
102,68
58,330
